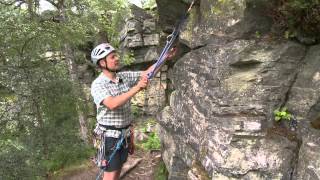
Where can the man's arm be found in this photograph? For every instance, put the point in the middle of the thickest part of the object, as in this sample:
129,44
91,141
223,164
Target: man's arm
113,102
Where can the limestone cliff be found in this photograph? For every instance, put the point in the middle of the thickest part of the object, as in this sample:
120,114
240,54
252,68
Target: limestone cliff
220,123
140,42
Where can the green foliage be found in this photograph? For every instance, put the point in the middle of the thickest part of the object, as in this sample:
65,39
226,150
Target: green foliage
66,155
128,58
282,114
297,17
16,163
50,141
152,143
38,114
109,16
161,172
136,111
39,102
258,34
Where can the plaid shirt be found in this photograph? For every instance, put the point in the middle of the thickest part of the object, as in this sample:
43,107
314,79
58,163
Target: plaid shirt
101,88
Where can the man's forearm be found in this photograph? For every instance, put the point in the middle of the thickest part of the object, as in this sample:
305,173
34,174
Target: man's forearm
150,69
117,101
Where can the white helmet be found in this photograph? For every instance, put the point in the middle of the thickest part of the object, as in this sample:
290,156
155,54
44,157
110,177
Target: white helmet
101,51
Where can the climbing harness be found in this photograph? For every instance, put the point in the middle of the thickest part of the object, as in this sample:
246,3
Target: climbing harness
100,131
170,40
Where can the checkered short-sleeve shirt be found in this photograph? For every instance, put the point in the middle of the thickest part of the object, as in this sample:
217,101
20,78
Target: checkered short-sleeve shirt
101,88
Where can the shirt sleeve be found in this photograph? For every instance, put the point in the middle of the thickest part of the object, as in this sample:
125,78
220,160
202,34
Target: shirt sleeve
99,92
131,77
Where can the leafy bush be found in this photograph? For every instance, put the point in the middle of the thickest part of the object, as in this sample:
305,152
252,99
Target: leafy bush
17,164
152,143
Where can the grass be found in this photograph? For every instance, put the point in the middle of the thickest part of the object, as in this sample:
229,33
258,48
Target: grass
152,143
72,169
161,172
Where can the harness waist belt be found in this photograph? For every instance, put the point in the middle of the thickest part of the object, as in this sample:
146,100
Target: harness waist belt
114,128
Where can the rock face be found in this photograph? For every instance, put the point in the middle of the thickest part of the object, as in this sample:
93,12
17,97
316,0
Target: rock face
220,123
139,43
140,37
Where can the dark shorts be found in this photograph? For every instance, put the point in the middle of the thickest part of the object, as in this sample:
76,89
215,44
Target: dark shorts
120,156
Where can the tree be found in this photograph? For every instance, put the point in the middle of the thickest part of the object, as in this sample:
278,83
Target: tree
42,94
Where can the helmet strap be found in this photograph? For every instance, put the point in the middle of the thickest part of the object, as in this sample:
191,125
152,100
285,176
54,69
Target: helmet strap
106,68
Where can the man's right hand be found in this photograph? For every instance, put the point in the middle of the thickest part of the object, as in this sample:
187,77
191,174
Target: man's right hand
113,102
143,82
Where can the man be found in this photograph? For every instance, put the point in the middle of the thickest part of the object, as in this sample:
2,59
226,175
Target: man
112,92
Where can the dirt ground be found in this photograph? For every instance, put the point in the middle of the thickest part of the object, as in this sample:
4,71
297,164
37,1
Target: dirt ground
144,170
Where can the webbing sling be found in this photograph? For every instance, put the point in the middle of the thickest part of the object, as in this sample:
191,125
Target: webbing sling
170,40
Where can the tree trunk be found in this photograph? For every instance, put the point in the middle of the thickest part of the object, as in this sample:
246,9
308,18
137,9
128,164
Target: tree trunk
78,91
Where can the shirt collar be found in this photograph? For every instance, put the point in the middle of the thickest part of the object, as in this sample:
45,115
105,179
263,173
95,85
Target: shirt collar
104,77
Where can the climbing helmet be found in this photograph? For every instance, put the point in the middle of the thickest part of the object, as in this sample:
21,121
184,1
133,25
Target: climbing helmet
101,51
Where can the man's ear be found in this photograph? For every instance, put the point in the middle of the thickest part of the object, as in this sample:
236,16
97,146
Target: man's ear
102,63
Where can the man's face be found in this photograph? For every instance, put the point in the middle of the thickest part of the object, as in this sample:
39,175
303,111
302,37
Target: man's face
112,61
